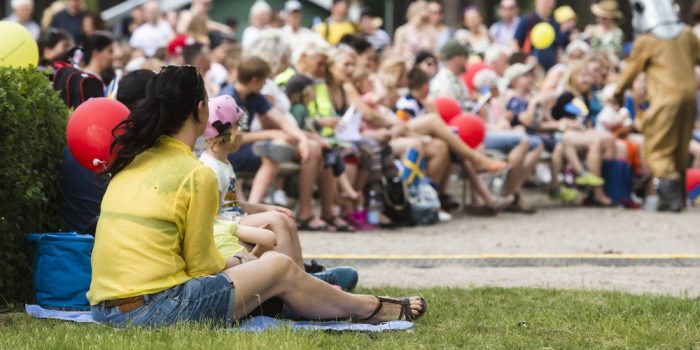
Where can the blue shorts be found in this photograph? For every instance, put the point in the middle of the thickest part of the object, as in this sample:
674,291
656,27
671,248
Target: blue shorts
696,135
244,160
506,140
201,299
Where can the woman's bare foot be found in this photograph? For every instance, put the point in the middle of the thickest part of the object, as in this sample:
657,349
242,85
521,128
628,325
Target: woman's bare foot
390,309
499,203
350,194
488,165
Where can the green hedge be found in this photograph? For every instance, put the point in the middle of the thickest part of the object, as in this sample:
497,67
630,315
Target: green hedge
32,136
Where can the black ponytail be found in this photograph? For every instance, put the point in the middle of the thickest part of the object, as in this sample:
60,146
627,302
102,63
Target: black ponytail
171,97
97,41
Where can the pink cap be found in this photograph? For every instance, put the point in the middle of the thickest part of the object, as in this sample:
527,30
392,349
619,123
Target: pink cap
223,113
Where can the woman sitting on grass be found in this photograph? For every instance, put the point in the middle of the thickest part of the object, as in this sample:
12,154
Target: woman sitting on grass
155,262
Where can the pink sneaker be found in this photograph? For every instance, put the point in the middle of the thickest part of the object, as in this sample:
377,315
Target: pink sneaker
358,219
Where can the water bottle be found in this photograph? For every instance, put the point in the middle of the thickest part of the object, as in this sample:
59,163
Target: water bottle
373,209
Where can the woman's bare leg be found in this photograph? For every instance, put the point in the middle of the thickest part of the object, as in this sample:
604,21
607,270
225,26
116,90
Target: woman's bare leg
276,275
557,164
570,142
285,230
516,174
694,150
479,188
328,193
262,180
307,179
438,162
434,126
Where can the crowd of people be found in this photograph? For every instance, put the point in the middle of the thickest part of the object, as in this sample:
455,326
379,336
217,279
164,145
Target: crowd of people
345,102
550,101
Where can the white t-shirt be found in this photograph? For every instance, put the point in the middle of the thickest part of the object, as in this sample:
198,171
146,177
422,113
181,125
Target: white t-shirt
609,115
302,35
281,103
250,34
229,207
150,38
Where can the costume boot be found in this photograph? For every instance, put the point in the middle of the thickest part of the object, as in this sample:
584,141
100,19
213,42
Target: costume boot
670,195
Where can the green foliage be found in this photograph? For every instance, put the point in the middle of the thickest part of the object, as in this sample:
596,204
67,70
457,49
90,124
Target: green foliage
484,318
32,136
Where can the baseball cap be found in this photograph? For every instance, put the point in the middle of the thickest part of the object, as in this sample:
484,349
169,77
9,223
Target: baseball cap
178,43
292,5
453,48
297,84
224,113
517,70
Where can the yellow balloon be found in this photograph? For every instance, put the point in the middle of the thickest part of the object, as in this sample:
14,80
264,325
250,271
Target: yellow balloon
17,47
542,35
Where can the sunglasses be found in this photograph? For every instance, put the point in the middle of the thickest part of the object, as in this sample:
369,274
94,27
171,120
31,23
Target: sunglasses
199,86
182,66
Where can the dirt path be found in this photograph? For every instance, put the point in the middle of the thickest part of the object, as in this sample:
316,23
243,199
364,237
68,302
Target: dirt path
553,230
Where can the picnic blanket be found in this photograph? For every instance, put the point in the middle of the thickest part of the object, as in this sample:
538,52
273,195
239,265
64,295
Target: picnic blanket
255,324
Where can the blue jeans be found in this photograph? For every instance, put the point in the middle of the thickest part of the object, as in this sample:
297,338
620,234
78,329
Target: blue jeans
506,140
202,299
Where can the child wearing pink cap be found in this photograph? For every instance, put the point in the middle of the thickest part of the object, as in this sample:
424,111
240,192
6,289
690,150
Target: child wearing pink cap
260,227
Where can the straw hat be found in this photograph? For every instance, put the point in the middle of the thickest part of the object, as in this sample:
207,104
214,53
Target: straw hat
607,9
564,13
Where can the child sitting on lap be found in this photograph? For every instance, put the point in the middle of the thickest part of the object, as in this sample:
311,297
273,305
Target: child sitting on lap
223,136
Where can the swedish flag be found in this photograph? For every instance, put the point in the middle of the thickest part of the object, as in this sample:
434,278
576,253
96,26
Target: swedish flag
413,166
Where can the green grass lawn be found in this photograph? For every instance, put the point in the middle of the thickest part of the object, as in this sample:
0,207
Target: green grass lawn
484,318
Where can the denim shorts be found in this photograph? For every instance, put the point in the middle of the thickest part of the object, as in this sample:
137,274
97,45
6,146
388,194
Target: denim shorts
506,140
244,160
201,299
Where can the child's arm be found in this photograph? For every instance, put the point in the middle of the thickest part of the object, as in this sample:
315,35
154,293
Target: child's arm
262,238
251,208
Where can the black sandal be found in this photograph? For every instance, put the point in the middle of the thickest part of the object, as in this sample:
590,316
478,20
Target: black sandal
333,226
405,315
304,225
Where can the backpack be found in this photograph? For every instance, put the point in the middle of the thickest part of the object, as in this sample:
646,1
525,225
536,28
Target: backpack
425,203
75,85
62,270
397,205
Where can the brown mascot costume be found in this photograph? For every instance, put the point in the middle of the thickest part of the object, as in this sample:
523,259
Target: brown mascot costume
668,52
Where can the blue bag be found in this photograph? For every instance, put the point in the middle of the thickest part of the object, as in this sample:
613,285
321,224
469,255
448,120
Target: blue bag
425,202
62,270
619,181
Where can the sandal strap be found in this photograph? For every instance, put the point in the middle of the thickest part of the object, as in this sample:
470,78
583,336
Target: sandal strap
406,313
376,310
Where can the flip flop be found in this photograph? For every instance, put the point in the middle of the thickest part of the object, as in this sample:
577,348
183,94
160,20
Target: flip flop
406,313
304,225
332,224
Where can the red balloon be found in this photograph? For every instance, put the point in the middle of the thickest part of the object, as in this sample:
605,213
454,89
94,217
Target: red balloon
470,73
89,131
692,179
447,108
470,128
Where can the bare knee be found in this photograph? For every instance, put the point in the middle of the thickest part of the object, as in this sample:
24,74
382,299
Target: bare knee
314,149
437,146
280,264
524,142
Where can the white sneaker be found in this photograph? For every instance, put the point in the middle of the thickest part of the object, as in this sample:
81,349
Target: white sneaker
279,197
444,216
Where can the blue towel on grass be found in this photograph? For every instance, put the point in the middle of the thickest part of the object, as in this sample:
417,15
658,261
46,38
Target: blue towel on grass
255,324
